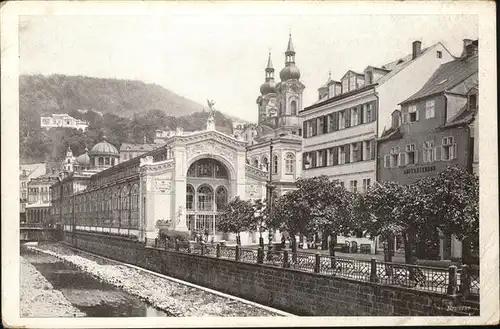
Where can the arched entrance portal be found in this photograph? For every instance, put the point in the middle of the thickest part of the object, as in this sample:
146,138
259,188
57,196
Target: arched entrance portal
207,191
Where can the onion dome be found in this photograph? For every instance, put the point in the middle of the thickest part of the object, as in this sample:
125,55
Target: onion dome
290,71
268,87
84,158
104,149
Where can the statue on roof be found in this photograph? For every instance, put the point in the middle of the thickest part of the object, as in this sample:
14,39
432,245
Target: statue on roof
211,115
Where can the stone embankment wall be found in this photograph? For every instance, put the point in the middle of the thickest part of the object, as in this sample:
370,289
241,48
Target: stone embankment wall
297,292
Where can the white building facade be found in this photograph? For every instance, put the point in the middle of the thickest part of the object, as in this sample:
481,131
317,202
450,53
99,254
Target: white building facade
62,121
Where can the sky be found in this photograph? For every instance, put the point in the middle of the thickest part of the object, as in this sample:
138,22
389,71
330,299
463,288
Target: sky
222,57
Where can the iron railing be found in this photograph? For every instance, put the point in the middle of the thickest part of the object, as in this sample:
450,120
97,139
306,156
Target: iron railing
248,255
451,280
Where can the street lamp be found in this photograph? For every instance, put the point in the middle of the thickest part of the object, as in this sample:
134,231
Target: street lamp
270,188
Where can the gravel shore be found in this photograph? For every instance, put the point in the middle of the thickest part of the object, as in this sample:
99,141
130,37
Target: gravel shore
39,299
172,297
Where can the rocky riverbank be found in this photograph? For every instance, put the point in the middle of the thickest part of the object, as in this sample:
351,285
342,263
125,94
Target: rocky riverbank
172,297
39,299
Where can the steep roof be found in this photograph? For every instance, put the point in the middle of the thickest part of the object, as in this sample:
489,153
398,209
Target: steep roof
396,66
447,76
464,116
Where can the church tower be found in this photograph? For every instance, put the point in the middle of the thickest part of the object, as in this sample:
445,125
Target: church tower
266,102
289,92
69,160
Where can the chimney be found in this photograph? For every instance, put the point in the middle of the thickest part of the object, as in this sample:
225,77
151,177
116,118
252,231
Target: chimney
467,42
417,49
470,48
396,119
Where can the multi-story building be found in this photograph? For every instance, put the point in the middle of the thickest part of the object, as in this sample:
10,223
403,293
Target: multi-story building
38,205
162,135
27,172
341,128
62,121
435,128
129,151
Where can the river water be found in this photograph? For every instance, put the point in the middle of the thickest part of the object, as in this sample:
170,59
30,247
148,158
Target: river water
89,295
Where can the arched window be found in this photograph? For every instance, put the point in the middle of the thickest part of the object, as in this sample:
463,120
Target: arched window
275,164
124,208
265,164
106,161
255,162
101,161
92,162
205,198
134,206
115,222
189,197
290,163
293,107
221,197
207,168
109,207
113,161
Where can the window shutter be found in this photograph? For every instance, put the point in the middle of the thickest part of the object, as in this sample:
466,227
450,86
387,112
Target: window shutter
454,151
416,114
335,159
424,155
347,118
441,149
405,118
387,162
304,129
416,156
374,111
361,114
335,121
325,124
400,159
372,149
347,153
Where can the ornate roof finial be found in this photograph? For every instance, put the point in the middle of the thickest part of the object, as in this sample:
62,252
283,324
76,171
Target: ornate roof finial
290,49
269,61
330,74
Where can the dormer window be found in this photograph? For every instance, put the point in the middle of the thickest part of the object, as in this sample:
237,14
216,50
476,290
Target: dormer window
369,77
439,54
352,83
412,113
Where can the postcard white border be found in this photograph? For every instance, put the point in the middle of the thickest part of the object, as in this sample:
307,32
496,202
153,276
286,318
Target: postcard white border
489,232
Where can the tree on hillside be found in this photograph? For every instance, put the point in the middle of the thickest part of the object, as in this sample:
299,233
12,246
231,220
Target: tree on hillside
236,217
451,201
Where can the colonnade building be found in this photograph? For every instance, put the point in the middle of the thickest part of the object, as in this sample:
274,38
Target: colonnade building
183,184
